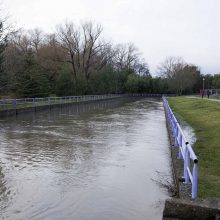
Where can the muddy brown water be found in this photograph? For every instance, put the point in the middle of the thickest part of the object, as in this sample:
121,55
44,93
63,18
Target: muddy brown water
95,161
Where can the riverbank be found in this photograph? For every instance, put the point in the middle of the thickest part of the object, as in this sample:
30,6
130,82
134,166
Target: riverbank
204,116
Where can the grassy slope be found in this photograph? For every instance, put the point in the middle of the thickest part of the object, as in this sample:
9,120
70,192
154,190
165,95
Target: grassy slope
204,116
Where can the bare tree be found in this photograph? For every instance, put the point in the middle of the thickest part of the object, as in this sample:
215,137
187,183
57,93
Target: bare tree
50,56
91,46
180,75
141,68
36,38
3,37
83,45
170,66
126,56
21,41
14,54
69,39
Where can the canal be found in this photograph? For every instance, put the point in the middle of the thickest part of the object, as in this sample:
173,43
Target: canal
94,161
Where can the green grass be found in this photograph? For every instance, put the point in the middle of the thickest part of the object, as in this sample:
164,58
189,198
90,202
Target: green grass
204,116
215,97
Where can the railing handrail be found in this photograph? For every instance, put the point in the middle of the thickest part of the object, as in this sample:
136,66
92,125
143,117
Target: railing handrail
79,96
61,97
185,150
6,104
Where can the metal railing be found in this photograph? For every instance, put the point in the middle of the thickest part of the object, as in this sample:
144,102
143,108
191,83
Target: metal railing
185,151
7,104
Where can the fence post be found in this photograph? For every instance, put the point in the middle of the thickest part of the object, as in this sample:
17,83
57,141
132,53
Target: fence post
33,103
4,104
186,164
180,156
15,104
195,180
176,133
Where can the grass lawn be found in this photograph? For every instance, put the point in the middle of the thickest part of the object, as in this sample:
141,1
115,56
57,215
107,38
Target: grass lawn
204,116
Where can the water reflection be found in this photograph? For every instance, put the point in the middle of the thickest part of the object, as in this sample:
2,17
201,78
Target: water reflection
86,161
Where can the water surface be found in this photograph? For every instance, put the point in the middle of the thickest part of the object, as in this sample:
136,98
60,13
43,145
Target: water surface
94,161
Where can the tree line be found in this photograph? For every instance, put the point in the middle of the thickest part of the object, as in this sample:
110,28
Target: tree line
78,60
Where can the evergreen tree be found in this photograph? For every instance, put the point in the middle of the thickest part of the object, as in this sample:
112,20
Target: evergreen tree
64,84
31,81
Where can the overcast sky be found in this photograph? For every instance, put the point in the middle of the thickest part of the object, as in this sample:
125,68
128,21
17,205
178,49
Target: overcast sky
159,28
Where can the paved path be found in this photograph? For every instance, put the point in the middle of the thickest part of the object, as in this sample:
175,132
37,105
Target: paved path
211,99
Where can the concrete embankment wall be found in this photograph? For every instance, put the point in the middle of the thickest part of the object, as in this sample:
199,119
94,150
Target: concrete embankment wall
199,209
11,112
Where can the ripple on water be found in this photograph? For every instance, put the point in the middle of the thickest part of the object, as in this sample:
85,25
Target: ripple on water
92,165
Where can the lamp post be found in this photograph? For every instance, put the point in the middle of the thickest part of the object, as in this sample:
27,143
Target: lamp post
203,84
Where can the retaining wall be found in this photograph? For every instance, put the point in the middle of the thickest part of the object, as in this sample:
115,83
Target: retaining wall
11,112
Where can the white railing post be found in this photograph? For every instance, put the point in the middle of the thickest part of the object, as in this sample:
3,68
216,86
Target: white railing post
195,180
180,156
186,165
